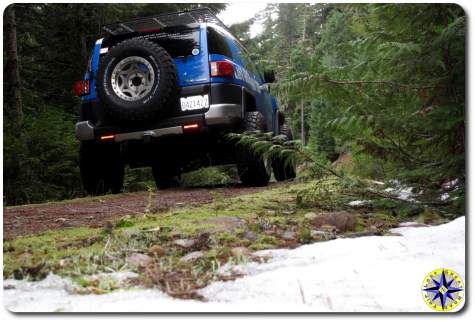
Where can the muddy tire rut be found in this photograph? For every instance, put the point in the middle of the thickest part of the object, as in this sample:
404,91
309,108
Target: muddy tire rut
95,212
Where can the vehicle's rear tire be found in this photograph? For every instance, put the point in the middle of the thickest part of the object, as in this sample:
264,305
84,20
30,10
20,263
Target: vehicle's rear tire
253,170
137,81
101,168
165,178
284,169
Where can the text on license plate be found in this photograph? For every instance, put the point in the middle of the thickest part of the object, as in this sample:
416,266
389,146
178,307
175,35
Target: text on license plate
196,102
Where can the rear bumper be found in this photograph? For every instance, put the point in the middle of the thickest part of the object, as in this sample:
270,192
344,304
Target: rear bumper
227,116
223,114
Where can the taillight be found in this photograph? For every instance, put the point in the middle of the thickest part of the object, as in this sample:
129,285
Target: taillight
221,69
81,88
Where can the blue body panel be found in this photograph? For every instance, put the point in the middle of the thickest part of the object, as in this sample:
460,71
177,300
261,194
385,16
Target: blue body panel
253,82
194,70
250,82
91,73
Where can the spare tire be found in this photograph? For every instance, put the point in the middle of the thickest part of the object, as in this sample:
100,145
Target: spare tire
137,80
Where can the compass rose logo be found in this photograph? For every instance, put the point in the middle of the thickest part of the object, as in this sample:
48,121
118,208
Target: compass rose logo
443,289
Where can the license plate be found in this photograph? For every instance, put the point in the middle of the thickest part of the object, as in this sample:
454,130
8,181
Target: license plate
192,103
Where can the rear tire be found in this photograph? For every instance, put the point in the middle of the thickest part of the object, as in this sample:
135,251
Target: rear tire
253,170
283,169
101,168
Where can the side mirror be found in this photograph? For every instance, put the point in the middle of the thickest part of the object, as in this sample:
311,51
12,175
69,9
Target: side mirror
269,76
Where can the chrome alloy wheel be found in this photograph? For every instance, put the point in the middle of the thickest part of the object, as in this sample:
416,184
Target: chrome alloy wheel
133,78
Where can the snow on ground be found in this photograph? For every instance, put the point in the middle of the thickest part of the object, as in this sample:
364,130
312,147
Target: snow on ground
357,203
367,274
404,193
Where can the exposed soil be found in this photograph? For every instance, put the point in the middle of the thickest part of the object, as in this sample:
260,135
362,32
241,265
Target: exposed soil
32,219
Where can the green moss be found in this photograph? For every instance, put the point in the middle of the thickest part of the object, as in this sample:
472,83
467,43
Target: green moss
304,235
381,219
360,226
227,238
266,239
429,216
49,248
123,223
261,246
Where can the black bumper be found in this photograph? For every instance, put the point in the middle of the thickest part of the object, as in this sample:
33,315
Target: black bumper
225,112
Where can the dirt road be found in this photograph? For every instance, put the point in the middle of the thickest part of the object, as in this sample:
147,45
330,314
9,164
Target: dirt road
95,212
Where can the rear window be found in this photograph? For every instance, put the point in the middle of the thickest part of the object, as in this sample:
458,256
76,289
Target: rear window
178,43
217,43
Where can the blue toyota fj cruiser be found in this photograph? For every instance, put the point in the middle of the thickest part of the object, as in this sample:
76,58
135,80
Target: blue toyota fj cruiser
164,91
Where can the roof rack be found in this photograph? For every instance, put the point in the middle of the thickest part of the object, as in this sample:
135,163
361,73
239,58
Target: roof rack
152,23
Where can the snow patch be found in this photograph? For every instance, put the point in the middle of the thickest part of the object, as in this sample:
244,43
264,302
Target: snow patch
357,203
450,184
444,196
404,193
370,274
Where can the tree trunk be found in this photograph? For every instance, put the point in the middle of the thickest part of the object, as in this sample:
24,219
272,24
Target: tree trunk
12,70
83,43
302,123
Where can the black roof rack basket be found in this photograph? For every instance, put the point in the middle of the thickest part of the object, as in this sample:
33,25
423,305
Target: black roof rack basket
199,15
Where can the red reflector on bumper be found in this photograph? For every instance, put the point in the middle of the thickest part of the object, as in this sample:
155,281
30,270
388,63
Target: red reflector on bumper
192,126
107,137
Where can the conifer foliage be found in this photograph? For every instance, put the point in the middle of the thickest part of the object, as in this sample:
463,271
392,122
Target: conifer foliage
384,83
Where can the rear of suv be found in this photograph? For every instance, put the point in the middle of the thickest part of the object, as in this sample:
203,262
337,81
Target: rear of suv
164,91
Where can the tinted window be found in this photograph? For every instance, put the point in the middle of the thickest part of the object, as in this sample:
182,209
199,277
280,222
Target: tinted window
217,43
179,42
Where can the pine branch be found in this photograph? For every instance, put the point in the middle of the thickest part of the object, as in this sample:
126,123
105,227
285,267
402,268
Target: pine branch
379,82
361,82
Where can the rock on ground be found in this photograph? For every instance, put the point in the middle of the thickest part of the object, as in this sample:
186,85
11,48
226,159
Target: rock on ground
135,260
250,235
289,235
240,252
225,224
157,250
342,220
191,257
310,216
184,243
